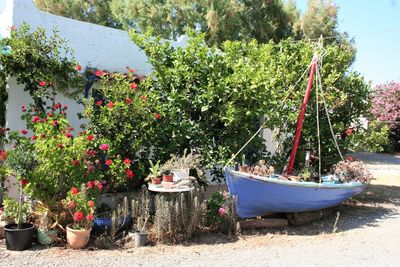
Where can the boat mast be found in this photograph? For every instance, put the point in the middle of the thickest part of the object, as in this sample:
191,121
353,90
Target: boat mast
290,165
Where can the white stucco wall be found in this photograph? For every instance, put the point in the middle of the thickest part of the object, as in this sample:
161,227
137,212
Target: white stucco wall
94,45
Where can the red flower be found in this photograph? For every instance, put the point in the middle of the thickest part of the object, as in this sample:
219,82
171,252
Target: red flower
24,182
127,161
63,113
144,98
90,185
23,131
33,138
70,129
157,116
90,217
56,106
35,119
49,114
65,107
131,70
104,147
78,67
55,122
3,155
110,105
90,203
90,137
98,73
78,216
129,173
99,103
100,186
350,158
128,100
109,162
42,83
23,108
75,162
133,86
72,204
74,190
68,135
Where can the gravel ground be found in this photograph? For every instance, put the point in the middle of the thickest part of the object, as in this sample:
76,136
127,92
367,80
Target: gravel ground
361,232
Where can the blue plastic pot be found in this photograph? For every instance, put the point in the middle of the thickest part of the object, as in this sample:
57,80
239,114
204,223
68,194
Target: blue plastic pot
101,224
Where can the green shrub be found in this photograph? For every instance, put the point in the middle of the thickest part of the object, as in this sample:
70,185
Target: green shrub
372,139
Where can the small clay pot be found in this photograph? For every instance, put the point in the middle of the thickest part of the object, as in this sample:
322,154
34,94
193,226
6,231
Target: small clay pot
156,180
168,178
77,239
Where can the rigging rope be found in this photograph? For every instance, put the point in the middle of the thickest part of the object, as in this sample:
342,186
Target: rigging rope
327,113
262,126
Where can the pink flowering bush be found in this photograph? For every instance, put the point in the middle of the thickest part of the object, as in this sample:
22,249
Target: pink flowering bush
221,211
386,109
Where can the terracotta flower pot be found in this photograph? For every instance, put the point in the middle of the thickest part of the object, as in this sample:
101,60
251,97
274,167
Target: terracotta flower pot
77,239
156,180
168,178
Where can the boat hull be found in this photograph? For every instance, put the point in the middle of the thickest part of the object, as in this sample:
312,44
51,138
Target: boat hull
256,196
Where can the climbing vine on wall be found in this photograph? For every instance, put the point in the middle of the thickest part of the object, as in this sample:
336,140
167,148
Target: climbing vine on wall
43,63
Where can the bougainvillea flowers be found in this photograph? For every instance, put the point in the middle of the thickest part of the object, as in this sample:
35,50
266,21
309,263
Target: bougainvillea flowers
127,161
90,137
42,83
109,162
129,174
110,105
222,211
128,101
78,67
23,131
90,203
90,217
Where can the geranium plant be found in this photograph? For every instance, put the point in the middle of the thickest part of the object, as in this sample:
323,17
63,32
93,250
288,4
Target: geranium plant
81,206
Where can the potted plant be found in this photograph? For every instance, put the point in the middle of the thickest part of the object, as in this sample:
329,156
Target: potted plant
21,160
140,217
168,176
81,208
103,221
155,173
46,221
180,166
18,232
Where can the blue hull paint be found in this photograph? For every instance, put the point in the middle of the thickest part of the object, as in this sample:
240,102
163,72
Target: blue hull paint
256,196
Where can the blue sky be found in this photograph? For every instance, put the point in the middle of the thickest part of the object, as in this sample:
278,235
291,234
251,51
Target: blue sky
375,27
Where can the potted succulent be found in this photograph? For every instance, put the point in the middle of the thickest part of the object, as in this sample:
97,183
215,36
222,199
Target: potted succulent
82,209
21,161
155,173
140,217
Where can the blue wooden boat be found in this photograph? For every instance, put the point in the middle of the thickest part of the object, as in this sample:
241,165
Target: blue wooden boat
257,195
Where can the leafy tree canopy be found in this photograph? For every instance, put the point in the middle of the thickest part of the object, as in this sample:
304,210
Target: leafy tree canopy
220,20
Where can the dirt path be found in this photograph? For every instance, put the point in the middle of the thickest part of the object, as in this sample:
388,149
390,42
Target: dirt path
362,232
